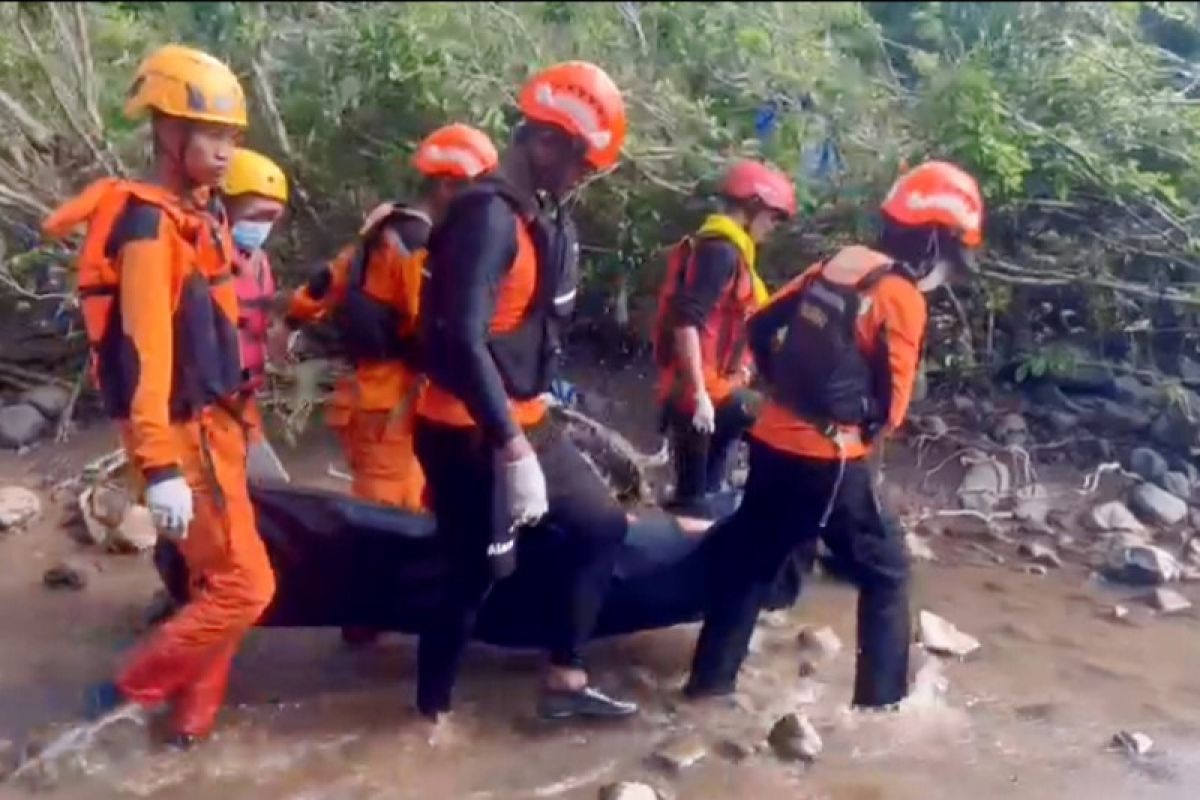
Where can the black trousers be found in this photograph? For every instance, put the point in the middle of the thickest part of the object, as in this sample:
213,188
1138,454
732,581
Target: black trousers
781,511
702,461
460,473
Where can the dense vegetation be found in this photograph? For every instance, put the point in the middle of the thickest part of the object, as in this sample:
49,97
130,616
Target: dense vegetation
1082,121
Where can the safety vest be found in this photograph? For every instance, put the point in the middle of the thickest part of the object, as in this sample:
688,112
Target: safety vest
255,285
833,380
534,300
723,335
204,309
377,315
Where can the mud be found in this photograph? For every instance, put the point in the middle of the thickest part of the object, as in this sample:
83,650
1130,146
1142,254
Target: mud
1030,715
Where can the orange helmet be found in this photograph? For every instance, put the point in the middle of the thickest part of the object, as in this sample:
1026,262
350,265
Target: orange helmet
938,193
581,99
183,82
753,180
456,151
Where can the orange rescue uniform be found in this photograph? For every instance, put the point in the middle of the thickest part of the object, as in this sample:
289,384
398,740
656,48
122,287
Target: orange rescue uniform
164,333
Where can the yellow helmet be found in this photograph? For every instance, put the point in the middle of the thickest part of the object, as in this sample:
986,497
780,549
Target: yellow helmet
254,173
183,82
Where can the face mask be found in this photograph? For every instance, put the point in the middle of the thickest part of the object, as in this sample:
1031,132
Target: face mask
250,235
935,277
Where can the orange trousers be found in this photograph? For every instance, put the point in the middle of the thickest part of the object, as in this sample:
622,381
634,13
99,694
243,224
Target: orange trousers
186,661
384,466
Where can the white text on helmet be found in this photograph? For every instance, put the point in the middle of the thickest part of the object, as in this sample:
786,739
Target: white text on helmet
454,157
951,203
582,114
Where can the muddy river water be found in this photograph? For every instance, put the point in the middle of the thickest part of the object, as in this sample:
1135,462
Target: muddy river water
1029,716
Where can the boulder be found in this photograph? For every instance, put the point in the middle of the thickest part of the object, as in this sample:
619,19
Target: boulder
1175,430
1132,743
70,574
1040,554
1062,423
933,425
1168,601
1140,564
1157,506
628,791
1177,484
21,425
1147,464
50,400
918,548
983,486
113,521
794,738
10,758
1108,418
681,753
820,642
1128,389
1114,516
963,405
1188,469
941,638
1011,431
18,507
1032,507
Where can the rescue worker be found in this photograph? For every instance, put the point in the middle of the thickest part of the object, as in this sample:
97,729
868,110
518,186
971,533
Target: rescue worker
255,195
371,292
160,306
711,288
504,266
841,379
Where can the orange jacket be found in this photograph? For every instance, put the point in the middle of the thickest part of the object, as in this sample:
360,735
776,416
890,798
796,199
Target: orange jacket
153,266
894,317
393,277
723,353
514,296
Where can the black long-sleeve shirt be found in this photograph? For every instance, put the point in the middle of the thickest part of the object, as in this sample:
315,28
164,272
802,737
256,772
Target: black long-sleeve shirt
714,265
470,253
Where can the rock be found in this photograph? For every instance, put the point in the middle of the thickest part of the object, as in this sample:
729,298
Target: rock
777,620
1116,517
70,574
113,521
628,791
1157,506
941,638
1168,601
1062,423
18,507
1147,464
1177,484
933,425
918,548
1012,431
1037,570
1040,553
1032,507
1118,613
21,425
1133,743
1128,389
737,750
682,753
963,404
808,668
820,642
1107,418
1175,430
51,401
983,486
793,738
1187,468
1140,564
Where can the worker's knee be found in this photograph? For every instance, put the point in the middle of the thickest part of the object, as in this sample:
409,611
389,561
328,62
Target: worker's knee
255,594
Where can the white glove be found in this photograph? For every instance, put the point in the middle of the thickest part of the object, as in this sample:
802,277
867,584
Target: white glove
525,488
170,504
705,418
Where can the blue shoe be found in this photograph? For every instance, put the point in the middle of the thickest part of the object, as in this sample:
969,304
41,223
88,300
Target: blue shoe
101,699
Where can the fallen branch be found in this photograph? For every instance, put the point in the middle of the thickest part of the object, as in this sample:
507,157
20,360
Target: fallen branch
66,421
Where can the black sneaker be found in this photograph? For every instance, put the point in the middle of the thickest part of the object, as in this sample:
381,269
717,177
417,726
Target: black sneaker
589,702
